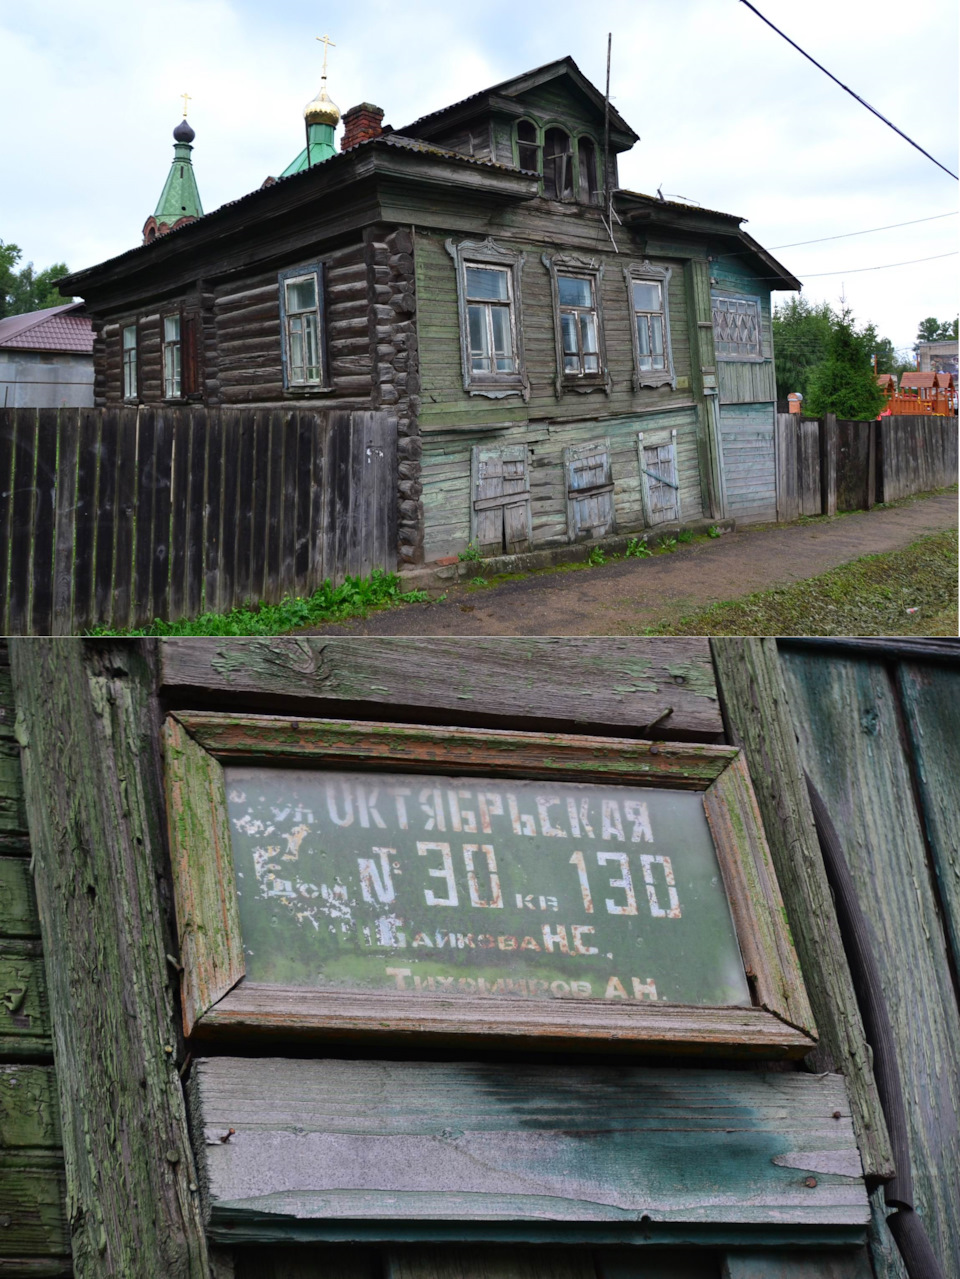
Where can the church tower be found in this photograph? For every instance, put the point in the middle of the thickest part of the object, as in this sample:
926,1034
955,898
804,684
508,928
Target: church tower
180,200
321,117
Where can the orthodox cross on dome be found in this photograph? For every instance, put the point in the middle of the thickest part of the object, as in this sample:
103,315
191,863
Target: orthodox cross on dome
186,98
327,44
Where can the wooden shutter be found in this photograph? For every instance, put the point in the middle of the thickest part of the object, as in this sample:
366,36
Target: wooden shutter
660,480
190,361
590,510
501,499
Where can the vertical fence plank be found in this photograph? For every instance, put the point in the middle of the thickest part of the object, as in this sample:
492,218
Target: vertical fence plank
320,432
68,440
21,531
102,609
828,464
143,508
245,515
222,578
260,501
160,536
290,581
7,434
124,520
873,430
302,498
788,504
86,518
179,499
212,510
338,496
273,425
45,516
193,568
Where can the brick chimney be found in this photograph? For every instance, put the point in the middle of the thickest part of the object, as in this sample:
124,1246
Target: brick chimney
360,124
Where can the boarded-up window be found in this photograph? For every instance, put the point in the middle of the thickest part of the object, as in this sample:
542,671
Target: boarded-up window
736,328
589,479
659,478
501,499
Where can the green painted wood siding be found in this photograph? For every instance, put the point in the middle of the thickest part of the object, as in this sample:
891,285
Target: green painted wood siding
34,1238
749,461
447,492
446,404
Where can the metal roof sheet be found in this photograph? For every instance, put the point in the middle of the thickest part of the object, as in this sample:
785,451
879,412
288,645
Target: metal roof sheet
56,328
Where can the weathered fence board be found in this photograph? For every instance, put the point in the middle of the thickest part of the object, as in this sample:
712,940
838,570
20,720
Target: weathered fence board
112,517
917,454
829,466
852,743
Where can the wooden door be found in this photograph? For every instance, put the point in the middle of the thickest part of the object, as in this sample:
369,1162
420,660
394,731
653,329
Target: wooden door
501,499
660,479
590,512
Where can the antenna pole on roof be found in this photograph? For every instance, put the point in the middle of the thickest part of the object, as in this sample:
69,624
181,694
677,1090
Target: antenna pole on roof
607,194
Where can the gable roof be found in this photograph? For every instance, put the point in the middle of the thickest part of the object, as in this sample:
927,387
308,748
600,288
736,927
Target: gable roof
57,328
563,68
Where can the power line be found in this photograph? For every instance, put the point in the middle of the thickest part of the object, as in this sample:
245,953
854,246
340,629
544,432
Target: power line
811,275
847,89
869,231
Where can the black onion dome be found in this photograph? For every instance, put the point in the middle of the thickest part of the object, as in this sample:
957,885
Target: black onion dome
183,132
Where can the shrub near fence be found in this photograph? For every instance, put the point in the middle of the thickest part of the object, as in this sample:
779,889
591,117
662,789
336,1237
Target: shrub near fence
112,517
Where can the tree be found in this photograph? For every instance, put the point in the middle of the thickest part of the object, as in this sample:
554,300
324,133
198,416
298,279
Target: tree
27,289
844,383
801,338
934,330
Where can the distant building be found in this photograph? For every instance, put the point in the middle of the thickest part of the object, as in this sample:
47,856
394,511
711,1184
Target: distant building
938,357
46,358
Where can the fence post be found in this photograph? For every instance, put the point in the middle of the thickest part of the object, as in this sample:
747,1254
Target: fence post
873,453
828,464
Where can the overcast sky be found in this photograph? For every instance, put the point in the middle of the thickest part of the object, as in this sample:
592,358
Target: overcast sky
729,115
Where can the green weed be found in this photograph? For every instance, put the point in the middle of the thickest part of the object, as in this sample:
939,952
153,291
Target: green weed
685,535
637,548
713,531
668,544
597,556
470,554
327,604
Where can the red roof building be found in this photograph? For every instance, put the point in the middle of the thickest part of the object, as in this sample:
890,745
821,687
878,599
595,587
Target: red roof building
46,358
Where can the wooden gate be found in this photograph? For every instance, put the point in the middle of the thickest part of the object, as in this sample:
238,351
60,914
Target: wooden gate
115,517
589,480
501,499
659,480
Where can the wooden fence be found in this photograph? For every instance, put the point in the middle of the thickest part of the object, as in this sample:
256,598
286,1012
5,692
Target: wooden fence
113,517
825,466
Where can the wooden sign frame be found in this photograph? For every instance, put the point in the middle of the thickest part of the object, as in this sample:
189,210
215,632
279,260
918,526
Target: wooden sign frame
218,1001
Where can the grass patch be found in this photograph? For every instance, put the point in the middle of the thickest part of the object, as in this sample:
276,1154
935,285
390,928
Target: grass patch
869,596
356,597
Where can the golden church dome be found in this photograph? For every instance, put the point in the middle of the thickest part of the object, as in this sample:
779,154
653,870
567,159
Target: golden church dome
321,110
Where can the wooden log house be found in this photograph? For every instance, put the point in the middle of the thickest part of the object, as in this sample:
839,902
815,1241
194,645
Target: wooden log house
565,359
360,959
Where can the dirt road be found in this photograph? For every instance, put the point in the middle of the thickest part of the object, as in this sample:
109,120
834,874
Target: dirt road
625,596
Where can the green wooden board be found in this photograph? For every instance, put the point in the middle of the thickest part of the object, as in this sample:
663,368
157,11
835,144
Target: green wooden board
29,1110
480,886
386,1144
18,905
848,723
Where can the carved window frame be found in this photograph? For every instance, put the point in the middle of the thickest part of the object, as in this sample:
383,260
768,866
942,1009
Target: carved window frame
574,264
640,272
486,253
218,1002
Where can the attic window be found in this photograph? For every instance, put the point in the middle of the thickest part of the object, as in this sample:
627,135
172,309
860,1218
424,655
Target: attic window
528,146
736,327
557,165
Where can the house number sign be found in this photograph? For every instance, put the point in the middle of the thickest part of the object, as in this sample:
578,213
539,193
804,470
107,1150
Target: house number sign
343,879
478,886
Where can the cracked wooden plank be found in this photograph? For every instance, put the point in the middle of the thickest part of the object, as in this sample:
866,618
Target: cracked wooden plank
624,683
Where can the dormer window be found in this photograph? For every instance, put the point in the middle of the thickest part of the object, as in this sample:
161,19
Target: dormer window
528,146
557,165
